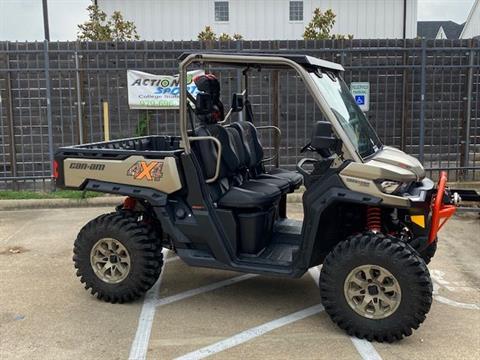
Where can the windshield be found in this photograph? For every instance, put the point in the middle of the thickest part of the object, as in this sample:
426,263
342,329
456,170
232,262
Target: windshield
349,115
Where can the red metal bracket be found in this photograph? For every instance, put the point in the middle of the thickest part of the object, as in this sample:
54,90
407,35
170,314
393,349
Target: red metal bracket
129,203
440,212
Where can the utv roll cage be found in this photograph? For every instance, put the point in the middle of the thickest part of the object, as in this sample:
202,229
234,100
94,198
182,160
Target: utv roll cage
302,64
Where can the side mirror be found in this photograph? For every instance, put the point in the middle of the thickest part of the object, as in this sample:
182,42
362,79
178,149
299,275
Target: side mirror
237,102
323,138
203,103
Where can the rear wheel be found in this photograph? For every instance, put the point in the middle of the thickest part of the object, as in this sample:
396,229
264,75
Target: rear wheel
375,287
117,257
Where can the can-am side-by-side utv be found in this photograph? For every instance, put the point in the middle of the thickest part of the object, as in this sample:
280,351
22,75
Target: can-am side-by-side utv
371,216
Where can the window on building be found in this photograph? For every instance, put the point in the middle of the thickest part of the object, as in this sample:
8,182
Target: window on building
221,10
296,10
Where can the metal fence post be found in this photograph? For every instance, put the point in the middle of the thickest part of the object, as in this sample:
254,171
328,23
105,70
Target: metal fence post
276,111
79,97
404,97
468,114
239,76
48,89
10,121
422,100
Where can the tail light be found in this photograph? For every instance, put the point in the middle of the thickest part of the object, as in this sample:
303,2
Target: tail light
55,169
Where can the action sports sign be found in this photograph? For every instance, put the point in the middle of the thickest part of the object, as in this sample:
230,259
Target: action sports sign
148,91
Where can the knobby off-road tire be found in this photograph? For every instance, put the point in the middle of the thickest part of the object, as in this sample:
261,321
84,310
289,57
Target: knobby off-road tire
129,250
428,253
404,272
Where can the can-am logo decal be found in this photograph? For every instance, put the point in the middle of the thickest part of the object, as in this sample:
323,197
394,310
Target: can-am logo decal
151,171
86,166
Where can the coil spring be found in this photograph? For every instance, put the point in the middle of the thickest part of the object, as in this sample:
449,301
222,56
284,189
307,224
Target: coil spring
374,219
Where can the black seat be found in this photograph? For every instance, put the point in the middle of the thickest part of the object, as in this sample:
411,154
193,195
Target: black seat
241,198
239,149
254,151
223,191
230,190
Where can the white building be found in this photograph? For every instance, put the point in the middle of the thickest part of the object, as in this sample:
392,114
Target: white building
472,26
265,19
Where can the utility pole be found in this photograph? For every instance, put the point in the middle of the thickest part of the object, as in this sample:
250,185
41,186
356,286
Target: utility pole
46,28
48,87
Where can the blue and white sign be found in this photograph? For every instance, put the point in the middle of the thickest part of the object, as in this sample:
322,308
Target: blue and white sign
360,99
361,93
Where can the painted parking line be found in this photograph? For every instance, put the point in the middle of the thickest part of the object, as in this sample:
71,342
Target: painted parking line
454,303
203,289
171,259
439,282
252,333
364,347
138,351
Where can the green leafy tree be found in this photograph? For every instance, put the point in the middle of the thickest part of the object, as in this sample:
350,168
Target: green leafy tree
101,28
224,37
143,123
207,34
321,25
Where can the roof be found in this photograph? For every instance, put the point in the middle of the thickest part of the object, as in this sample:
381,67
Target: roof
429,29
472,25
304,60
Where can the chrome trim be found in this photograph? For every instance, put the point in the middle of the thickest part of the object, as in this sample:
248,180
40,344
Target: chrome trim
219,153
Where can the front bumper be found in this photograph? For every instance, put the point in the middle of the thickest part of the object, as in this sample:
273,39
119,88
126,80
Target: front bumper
440,211
431,207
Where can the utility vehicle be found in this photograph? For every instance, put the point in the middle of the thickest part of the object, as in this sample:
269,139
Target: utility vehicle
371,216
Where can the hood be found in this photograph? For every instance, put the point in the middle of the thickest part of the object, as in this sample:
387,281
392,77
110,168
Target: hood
391,156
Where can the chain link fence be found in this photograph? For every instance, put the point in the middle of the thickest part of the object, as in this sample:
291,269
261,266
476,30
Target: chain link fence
424,98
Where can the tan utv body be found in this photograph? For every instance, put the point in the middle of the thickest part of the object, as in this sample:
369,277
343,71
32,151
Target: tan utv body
371,216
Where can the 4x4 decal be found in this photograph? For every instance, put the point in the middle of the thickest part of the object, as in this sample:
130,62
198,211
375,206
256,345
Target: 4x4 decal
146,170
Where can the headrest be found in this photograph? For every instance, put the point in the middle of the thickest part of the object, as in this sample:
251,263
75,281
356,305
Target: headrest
209,84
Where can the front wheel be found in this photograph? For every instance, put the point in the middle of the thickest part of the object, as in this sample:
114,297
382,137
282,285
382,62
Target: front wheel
427,253
375,287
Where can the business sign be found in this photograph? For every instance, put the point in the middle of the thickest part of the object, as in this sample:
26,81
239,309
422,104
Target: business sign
148,91
361,93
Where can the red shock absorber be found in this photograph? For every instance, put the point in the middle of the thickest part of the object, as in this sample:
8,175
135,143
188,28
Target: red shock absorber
374,219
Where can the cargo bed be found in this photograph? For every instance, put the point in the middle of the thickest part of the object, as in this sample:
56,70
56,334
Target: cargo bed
149,161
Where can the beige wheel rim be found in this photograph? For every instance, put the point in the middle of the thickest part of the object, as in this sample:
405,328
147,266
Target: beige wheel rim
372,291
110,260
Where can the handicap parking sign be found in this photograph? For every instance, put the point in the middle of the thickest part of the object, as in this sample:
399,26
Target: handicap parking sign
360,99
361,94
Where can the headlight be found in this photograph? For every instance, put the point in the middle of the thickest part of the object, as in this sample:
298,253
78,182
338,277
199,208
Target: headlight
390,186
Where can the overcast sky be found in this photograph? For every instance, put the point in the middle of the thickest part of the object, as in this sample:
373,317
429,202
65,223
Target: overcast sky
22,19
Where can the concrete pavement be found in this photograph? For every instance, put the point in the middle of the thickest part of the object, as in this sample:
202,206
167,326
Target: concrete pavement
46,314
